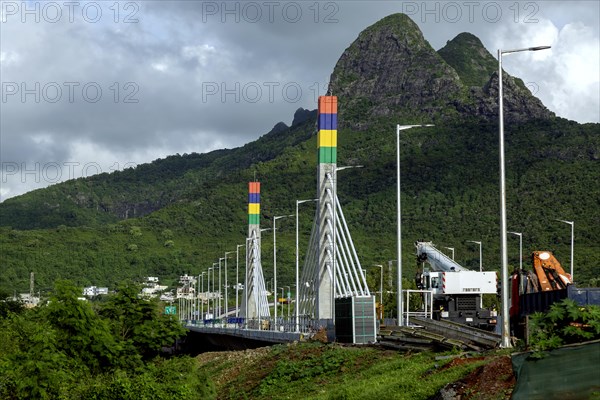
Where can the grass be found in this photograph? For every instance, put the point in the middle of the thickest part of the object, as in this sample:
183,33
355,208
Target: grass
327,372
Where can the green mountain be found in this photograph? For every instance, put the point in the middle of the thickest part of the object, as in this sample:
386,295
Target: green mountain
180,214
471,61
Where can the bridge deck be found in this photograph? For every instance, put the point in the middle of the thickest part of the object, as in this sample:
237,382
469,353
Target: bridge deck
251,334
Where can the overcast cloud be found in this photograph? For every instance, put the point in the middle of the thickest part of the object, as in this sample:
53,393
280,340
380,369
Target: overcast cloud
92,87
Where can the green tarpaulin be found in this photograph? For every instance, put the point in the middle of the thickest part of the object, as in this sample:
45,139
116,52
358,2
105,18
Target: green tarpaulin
569,372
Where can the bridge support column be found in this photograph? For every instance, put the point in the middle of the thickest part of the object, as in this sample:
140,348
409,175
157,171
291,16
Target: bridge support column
254,303
326,190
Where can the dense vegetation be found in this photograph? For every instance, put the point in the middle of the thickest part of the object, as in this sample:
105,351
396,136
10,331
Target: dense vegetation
71,349
565,323
182,213
331,371
449,195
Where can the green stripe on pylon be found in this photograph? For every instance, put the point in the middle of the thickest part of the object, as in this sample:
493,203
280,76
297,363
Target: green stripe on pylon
327,155
253,219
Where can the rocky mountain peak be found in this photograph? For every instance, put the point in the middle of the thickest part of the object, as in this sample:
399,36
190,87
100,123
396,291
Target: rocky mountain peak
470,59
301,115
391,69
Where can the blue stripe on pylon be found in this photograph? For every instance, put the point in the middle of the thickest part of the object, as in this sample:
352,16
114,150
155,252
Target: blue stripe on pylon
327,122
253,197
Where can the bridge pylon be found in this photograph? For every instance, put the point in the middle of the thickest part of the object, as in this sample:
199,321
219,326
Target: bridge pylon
254,302
331,267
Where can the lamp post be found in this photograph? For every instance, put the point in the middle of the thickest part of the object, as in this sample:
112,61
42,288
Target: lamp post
503,241
480,254
297,307
203,294
520,235
209,292
220,286
226,284
237,277
399,218
216,302
380,283
451,249
275,261
572,223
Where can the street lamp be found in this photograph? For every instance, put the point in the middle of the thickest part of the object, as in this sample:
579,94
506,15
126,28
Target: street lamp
451,249
220,286
399,218
226,284
503,241
275,261
237,277
380,283
209,293
520,235
572,223
297,307
203,294
480,254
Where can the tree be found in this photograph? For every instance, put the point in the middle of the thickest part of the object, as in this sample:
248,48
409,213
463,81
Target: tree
9,304
566,322
140,322
84,335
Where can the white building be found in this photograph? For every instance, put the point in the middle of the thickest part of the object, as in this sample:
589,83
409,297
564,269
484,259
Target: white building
92,291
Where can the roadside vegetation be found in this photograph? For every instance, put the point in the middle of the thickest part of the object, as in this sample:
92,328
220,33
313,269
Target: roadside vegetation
332,371
71,349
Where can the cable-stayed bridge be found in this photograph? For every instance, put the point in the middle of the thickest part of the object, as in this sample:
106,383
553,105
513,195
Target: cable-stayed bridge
331,289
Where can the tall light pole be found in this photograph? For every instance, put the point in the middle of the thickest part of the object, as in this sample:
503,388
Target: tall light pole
220,286
217,301
297,306
226,284
380,283
520,235
275,261
203,294
572,223
503,241
237,277
480,253
451,249
209,293
399,218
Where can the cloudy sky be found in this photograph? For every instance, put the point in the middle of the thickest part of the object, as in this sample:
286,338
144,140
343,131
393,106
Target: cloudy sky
97,86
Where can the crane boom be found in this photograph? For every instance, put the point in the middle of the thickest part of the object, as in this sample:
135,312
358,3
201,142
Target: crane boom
439,262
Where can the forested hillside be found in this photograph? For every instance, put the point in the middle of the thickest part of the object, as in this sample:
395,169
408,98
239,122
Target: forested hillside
180,214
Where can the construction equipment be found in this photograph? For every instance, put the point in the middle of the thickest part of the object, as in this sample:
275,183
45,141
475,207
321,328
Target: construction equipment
456,290
536,290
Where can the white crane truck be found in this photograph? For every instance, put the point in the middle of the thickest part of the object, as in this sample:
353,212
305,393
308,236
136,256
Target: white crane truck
457,291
